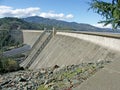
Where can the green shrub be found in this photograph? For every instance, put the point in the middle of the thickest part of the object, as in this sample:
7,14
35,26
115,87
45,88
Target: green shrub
8,65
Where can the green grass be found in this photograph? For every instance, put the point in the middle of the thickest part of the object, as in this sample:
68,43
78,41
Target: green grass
78,70
42,87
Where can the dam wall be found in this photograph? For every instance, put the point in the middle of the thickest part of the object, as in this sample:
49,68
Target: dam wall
30,36
108,40
68,48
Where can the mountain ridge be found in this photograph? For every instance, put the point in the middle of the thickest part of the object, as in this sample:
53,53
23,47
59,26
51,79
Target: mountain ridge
39,23
60,23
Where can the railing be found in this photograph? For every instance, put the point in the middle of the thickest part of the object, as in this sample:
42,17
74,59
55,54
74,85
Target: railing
38,46
34,49
40,49
37,41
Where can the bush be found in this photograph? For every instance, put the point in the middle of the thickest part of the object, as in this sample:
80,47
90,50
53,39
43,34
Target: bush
8,65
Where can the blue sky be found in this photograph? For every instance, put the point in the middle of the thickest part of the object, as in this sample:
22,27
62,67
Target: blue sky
67,10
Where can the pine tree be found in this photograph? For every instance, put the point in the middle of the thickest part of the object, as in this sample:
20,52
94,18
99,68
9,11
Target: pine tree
110,11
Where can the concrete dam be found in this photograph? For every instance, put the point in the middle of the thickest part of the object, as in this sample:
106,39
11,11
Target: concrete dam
67,48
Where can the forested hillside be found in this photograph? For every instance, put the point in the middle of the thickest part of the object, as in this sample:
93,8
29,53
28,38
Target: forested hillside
16,23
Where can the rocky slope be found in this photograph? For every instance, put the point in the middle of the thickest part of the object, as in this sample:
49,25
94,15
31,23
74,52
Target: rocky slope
52,78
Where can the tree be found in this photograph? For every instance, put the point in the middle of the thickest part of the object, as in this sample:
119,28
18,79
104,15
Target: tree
110,11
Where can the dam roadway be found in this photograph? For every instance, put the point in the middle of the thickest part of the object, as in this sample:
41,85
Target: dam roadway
67,48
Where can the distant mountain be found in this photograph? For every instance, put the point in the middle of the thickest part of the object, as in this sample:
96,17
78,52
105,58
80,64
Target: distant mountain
39,23
61,24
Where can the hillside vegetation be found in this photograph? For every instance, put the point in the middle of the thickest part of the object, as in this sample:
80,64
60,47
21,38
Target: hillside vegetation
10,23
7,41
14,23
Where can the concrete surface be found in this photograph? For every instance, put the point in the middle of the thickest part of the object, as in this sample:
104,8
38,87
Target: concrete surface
30,36
34,51
74,48
66,50
111,41
106,79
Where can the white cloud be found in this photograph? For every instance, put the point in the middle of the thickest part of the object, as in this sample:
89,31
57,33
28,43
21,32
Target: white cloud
5,7
59,16
25,12
6,11
102,26
69,16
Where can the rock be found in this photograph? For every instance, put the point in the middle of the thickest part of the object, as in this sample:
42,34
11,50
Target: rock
49,85
23,80
21,68
56,77
56,66
43,71
29,78
1,80
68,88
4,83
46,81
0,88
25,88
24,83
14,88
54,87
17,79
29,87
